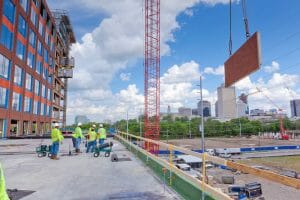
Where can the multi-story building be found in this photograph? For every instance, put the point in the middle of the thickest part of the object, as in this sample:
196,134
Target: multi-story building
206,108
186,112
30,58
242,109
295,108
226,108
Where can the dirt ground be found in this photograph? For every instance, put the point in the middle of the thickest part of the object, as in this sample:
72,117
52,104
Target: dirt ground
234,142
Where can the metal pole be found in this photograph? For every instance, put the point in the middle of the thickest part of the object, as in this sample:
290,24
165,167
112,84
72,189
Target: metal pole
127,124
140,123
202,118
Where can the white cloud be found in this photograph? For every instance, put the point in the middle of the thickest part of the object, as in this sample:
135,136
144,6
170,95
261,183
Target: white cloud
214,71
125,76
116,42
278,89
272,68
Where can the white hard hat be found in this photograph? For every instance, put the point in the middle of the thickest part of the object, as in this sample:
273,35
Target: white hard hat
101,125
56,125
79,124
94,125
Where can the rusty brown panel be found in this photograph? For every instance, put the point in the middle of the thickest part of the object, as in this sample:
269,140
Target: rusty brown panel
244,61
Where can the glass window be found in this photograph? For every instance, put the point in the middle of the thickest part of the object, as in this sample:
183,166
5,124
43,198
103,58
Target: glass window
32,38
29,82
20,50
24,4
50,79
49,94
27,104
36,3
33,17
4,67
46,37
16,102
22,28
30,60
37,88
46,55
3,97
40,48
18,76
36,108
6,37
44,91
39,67
45,74
42,109
41,29
9,10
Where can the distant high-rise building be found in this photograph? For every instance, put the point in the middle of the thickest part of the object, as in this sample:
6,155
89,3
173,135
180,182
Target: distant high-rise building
82,119
244,98
295,107
216,108
195,111
187,112
242,109
169,109
257,112
206,108
226,103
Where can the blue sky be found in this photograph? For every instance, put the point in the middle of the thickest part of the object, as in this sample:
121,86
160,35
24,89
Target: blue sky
195,37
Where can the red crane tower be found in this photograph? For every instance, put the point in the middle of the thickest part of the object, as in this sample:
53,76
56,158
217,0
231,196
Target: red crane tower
152,73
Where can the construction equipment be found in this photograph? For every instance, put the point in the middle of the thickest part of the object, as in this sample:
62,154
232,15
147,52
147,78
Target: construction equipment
42,150
106,148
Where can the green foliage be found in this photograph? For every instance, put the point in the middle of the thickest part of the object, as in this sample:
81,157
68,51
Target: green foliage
183,127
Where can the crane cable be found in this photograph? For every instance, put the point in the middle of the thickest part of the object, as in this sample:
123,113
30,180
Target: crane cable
230,31
245,19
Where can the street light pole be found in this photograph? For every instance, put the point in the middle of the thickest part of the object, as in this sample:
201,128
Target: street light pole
202,120
127,123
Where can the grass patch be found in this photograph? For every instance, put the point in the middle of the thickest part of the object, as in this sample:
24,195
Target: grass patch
281,162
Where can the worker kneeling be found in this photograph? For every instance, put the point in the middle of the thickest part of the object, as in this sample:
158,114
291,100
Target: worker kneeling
76,138
92,139
101,134
57,138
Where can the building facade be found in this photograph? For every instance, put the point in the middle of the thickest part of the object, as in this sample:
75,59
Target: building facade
185,112
226,108
206,108
295,108
29,60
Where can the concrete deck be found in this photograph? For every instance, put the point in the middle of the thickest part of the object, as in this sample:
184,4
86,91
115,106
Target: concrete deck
79,177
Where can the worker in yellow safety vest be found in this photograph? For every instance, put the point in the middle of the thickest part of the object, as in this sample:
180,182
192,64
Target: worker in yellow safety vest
92,139
57,138
76,137
101,134
3,193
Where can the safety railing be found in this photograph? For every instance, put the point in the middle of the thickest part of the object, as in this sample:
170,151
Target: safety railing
269,175
185,184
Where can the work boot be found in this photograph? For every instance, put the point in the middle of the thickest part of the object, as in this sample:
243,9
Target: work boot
55,157
52,156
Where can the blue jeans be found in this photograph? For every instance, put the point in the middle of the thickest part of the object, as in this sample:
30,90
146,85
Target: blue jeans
55,148
101,141
78,141
91,144
74,141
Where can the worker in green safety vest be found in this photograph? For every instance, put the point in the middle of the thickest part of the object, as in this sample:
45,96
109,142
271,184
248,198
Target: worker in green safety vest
101,134
3,193
92,139
76,137
57,138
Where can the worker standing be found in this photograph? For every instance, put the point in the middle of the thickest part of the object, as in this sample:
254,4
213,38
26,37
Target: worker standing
76,137
3,193
92,139
56,137
101,134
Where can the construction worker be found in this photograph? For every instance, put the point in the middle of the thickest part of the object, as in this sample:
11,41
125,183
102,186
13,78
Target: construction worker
56,137
101,134
92,139
76,137
3,193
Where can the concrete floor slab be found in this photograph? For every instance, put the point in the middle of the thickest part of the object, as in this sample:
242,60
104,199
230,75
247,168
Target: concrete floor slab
79,177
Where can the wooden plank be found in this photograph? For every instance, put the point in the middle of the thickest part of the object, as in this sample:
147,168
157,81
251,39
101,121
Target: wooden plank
292,182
